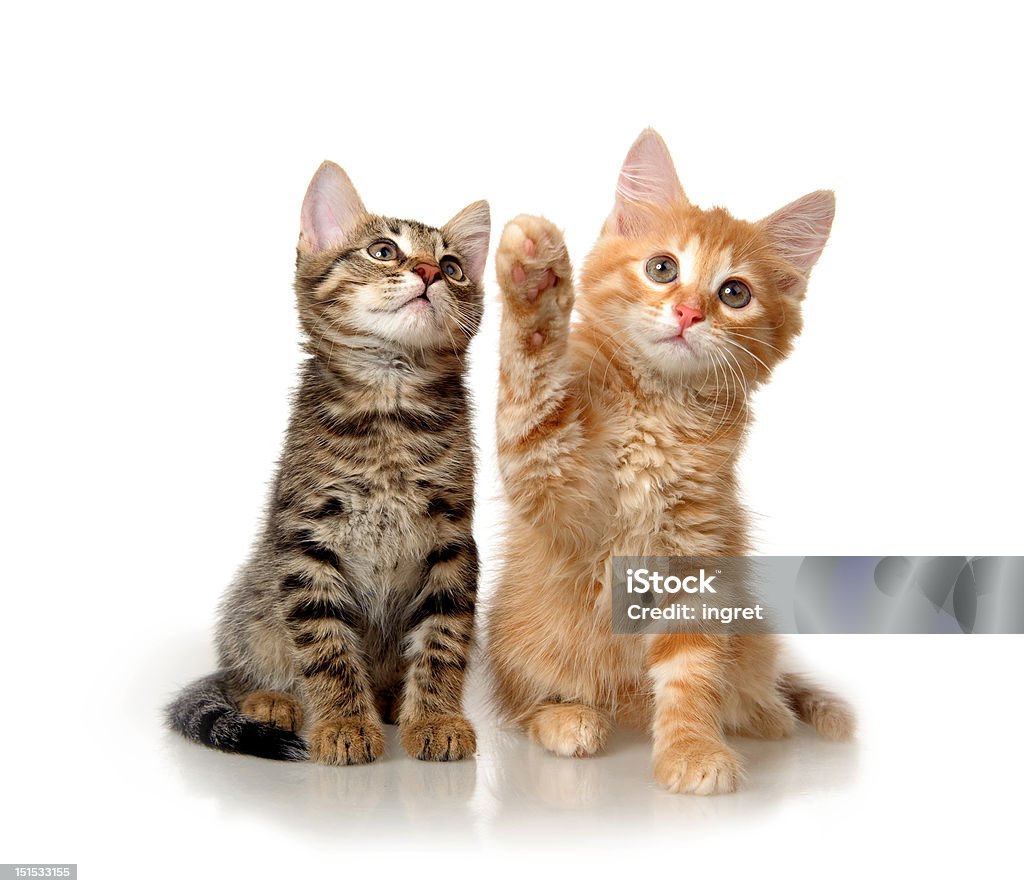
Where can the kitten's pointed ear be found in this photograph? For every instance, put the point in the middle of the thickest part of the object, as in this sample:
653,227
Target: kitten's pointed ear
330,210
469,232
647,182
800,229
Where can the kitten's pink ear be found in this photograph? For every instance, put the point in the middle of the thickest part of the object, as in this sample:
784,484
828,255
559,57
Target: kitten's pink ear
647,182
799,230
469,233
330,210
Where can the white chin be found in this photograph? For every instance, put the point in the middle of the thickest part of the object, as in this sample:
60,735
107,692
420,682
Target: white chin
417,325
677,357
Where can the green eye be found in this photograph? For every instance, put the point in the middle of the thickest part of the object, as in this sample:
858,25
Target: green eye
450,267
662,269
383,250
734,293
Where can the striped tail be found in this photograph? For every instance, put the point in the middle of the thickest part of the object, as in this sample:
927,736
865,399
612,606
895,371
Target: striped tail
205,712
830,715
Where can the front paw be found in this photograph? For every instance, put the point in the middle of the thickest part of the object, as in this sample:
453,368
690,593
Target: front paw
697,767
440,737
534,271
347,742
570,730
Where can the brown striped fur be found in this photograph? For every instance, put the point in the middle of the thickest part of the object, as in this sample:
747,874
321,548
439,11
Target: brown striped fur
619,436
357,604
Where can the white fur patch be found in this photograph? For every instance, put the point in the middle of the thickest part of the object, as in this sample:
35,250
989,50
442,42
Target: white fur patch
688,257
674,670
417,639
723,269
405,244
668,319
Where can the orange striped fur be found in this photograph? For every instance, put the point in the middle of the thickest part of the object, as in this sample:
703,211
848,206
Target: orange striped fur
619,435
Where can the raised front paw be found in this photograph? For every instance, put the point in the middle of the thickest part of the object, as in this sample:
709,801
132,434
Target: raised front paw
441,737
534,273
347,742
697,767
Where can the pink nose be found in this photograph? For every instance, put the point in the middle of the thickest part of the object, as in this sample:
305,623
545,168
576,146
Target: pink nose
687,316
428,273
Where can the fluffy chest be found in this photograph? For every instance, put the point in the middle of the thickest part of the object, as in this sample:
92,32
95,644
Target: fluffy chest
368,481
671,495
381,536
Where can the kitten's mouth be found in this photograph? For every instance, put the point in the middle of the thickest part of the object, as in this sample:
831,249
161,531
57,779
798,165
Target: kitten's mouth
678,340
419,301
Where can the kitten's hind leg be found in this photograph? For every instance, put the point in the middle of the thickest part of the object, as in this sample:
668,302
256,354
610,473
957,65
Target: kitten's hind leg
755,708
829,714
768,718
569,729
276,708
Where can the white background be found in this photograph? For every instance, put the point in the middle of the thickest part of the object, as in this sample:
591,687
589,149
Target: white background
153,163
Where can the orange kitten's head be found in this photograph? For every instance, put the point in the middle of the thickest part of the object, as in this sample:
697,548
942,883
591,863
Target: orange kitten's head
699,293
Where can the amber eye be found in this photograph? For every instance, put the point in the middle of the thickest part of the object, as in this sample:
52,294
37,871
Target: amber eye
734,293
450,267
662,269
383,250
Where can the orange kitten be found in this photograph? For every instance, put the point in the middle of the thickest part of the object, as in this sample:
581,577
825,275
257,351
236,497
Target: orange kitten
619,436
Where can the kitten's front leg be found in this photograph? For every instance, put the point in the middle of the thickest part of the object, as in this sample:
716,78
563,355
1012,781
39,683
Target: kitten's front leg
538,418
346,728
431,720
568,728
536,286
690,753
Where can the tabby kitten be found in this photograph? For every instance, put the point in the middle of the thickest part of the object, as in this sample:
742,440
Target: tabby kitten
619,436
357,603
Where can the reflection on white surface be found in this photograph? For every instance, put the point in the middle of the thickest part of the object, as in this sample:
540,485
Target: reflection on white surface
512,788
126,795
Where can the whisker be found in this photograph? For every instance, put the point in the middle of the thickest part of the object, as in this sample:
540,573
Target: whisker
751,353
598,351
609,363
742,426
737,334
714,414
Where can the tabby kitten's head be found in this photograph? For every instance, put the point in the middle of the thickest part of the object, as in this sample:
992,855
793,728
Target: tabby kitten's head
365,280
699,295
